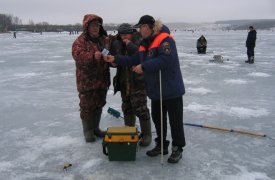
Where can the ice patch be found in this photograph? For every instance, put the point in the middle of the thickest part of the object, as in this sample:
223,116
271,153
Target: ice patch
26,75
58,142
110,92
192,82
246,175
235,81
5,166
201,91
45,123
249,176
43,62
200,109
66,74
69,61
229,66
51,57
259,74
2,61
91,163
242,112
239,112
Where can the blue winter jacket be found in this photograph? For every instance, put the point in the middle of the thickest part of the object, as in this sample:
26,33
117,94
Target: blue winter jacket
162,58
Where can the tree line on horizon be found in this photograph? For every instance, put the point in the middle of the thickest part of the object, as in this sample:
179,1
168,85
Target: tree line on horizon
13,23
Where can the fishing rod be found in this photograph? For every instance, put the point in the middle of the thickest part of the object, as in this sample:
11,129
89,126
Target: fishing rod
116,114
227,129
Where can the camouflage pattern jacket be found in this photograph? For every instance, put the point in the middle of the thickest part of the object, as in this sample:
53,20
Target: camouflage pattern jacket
125,79
91,74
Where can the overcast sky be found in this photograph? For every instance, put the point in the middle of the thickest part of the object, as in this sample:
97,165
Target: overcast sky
119,11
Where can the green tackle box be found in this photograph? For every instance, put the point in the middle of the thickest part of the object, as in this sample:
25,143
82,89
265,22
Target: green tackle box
120,143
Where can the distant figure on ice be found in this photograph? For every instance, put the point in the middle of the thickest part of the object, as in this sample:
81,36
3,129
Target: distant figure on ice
250,44
92,74
201,45
14,34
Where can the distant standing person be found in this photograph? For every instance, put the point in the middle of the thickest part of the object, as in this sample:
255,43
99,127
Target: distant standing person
14,34
201,45
250,44
92,74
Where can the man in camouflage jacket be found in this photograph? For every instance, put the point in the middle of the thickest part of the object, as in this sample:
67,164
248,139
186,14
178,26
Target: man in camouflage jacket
92,74
130,84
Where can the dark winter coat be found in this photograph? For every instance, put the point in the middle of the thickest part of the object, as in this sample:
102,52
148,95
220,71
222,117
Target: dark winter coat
125,79
251,39
201,42
163,57
91,74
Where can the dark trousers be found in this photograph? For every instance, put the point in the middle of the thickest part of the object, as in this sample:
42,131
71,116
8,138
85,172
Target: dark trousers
174,108
201,50
250,52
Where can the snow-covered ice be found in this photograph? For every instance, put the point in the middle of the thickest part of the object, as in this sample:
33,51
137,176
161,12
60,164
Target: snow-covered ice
41,129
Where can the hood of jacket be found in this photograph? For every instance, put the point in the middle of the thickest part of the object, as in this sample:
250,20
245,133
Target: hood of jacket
159,28
91,17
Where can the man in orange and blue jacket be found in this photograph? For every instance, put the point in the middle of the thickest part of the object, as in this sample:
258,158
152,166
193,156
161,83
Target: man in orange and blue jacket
158,53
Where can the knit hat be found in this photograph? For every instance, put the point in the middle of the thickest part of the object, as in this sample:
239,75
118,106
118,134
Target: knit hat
125,28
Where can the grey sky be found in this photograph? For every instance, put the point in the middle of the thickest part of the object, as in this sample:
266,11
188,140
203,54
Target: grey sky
118,11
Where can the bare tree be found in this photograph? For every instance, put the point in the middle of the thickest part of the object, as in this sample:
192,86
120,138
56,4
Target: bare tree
5,22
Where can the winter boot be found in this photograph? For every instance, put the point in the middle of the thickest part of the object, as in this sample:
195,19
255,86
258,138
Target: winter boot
88,131
157,149
146,134
251,60
130,120
96,119
176,154
248,60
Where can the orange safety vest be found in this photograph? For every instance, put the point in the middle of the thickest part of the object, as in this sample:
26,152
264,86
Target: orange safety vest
156,41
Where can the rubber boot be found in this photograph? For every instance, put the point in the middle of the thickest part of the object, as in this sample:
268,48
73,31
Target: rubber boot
88,131
146,134
248,60
96,120
130,120
157,149
251,60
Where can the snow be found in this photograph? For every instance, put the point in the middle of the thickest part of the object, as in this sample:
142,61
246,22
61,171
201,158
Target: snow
259,74
41,129
200,90
235,81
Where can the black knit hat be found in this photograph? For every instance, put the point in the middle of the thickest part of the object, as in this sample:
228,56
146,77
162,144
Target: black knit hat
146,19
125,28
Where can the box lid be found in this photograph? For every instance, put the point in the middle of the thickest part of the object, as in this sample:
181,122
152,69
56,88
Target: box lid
121,134
121,130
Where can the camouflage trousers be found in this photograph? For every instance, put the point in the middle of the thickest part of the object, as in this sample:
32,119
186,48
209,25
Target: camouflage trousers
90,102
135,103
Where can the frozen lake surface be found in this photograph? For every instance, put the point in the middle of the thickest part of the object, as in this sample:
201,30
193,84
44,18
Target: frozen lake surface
41,129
